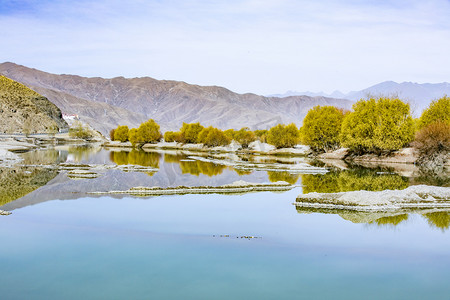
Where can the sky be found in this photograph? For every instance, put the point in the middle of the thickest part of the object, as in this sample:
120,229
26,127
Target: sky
264,47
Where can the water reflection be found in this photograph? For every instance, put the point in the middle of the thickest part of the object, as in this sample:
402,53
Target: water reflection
136,157
283,176
438,219
440,177
194,167
81,153
390,220
19,181
354,180
46,157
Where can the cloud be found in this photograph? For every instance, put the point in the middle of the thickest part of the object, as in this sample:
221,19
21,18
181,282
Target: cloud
257,46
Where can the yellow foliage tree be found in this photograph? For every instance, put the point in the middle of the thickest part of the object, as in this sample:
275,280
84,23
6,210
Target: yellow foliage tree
283,136
244,136
439,110
375,125
189,132
213,137
121,133
132,136
261,134
321,128
148,132
171,136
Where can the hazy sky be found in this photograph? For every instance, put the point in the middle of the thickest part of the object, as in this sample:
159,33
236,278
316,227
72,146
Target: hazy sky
263,47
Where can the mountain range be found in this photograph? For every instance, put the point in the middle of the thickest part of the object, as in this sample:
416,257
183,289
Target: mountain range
418,95
106,103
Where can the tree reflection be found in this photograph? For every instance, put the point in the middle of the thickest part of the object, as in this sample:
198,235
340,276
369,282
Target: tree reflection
391,220
173,158
353,180
194,167
136,157
80,153
242,172
44,157
439,219
283,176
201,167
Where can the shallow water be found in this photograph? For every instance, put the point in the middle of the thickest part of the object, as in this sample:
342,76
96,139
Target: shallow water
197,246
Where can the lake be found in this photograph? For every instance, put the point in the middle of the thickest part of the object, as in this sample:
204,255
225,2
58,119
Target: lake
62,242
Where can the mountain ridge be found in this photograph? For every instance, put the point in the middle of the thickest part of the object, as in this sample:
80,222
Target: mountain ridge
169,102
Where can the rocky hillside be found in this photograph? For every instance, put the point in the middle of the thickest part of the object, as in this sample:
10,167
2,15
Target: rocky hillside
23,110
109,102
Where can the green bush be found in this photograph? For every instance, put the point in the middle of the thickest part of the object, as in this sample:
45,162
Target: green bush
439,110
121,133
321,128
283,136
80,131
148,132
376,125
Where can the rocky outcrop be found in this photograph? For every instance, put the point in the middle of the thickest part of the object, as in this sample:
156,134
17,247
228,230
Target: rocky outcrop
22,110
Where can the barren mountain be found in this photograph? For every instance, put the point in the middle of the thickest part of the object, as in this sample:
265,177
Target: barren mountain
24,110
170,103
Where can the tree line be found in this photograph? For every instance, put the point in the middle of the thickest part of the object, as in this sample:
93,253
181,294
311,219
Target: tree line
379,125
280,136
375,125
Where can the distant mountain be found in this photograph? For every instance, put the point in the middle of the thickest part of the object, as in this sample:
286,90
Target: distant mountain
417,94
24,110
105,103
335,94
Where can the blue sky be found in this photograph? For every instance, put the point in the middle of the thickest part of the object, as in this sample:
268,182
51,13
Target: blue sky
247,46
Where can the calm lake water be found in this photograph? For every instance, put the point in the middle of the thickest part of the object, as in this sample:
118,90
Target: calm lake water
62,243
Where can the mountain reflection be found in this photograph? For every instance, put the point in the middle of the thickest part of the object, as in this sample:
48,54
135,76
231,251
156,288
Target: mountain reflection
353,180
19,181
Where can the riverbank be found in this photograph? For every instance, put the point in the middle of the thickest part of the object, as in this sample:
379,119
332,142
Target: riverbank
11,145
255,147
